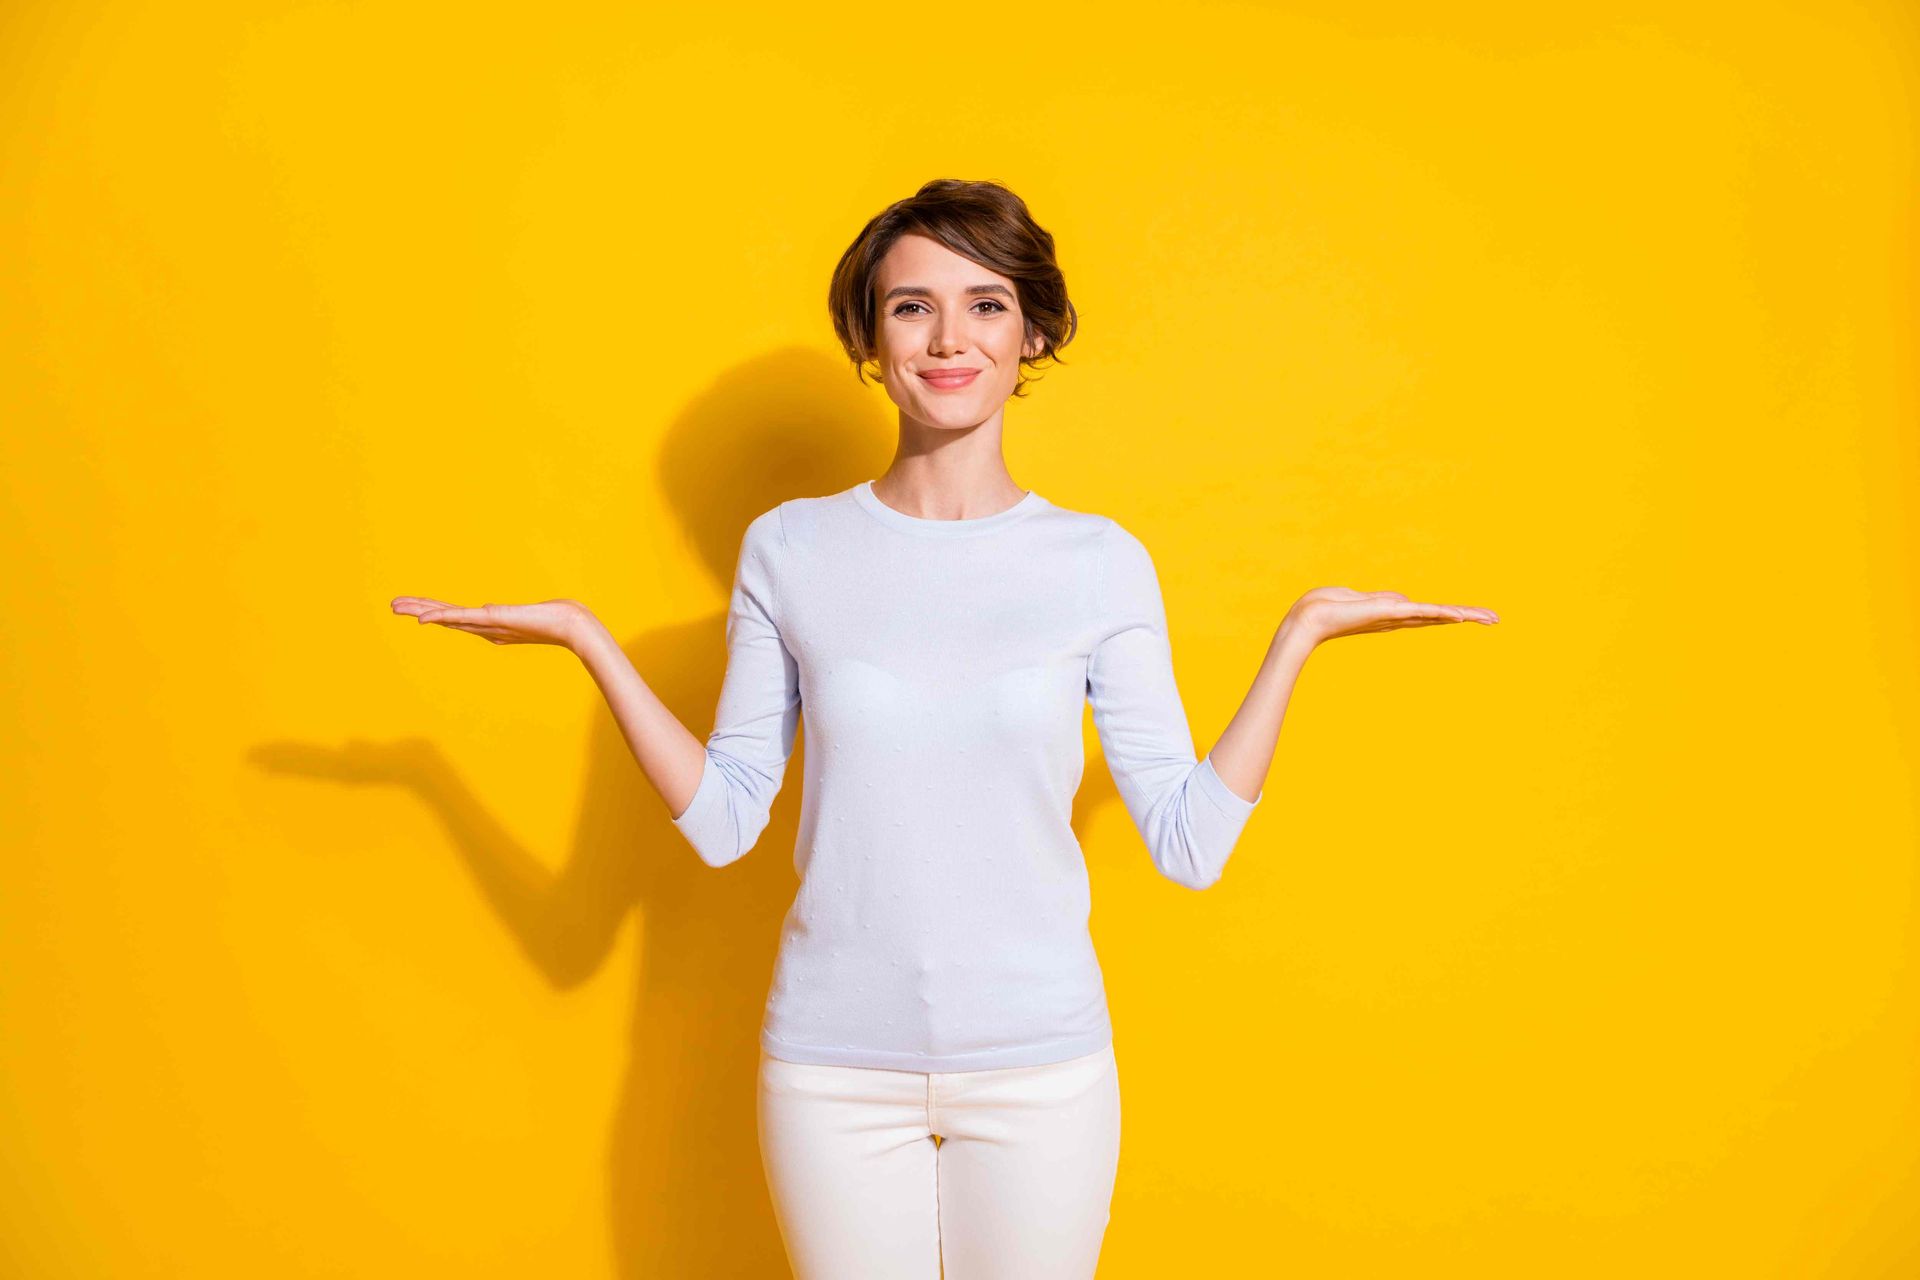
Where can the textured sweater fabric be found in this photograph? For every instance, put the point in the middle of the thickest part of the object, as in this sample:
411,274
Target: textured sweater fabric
941,920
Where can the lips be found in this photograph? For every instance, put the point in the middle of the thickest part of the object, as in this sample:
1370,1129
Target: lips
949,380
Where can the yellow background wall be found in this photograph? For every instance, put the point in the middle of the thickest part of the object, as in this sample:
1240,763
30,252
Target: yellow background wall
1579,946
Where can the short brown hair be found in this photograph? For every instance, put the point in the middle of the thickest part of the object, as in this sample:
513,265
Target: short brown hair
982,221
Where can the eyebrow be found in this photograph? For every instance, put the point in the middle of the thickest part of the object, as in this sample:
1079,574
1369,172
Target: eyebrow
922,290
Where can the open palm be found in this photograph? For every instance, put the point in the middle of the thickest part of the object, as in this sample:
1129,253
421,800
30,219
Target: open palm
558,622
1327,612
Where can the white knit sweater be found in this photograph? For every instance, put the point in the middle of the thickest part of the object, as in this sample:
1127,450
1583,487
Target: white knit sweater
941,918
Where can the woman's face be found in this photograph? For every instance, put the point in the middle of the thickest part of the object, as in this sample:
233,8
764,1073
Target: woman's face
937,311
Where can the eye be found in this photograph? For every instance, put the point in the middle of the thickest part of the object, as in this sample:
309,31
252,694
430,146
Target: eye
998,307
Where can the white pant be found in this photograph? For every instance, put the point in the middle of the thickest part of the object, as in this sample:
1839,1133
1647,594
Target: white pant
1018,1187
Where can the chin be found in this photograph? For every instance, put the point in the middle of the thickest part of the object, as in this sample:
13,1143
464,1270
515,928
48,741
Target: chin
959,417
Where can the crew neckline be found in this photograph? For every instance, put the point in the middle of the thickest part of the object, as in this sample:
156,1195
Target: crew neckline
864,495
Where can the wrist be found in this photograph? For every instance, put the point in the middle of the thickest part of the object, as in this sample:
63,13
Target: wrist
588,636
1293,639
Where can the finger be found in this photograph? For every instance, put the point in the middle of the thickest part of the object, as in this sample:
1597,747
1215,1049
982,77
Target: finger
1455,612
1420,616
416,604
476,629
449,614
1407,611
1435,620
1401,624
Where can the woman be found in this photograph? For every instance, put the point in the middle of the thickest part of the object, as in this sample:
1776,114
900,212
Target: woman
937,1077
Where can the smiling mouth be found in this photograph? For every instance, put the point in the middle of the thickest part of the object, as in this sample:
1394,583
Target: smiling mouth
949,381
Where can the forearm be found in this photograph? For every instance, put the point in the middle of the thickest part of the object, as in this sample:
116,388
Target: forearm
1244,751
668,753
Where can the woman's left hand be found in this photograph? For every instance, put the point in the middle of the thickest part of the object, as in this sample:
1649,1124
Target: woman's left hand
1327,612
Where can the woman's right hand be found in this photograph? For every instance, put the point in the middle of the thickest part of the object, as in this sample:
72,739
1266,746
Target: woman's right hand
562,622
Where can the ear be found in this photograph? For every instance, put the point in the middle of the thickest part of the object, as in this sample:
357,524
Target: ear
1036,343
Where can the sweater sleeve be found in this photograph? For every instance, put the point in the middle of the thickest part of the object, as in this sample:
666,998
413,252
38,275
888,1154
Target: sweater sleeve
1188,816
758,713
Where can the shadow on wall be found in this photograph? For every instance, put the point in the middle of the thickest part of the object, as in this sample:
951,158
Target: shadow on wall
686,1194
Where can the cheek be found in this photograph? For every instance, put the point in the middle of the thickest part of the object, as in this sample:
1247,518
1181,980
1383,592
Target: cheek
1015,345
1007,357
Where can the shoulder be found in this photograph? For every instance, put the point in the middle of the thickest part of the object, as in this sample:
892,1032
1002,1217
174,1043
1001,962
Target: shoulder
765,534
1106,550
1126,586
813,521
1121,552
1112,561
1095,535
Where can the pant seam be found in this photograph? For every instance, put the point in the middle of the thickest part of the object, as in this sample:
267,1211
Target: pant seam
939,1235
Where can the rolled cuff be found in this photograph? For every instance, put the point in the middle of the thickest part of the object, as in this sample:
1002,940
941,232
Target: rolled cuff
1224,797
707,823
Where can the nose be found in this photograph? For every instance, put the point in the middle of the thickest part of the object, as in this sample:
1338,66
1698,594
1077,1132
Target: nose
949,335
